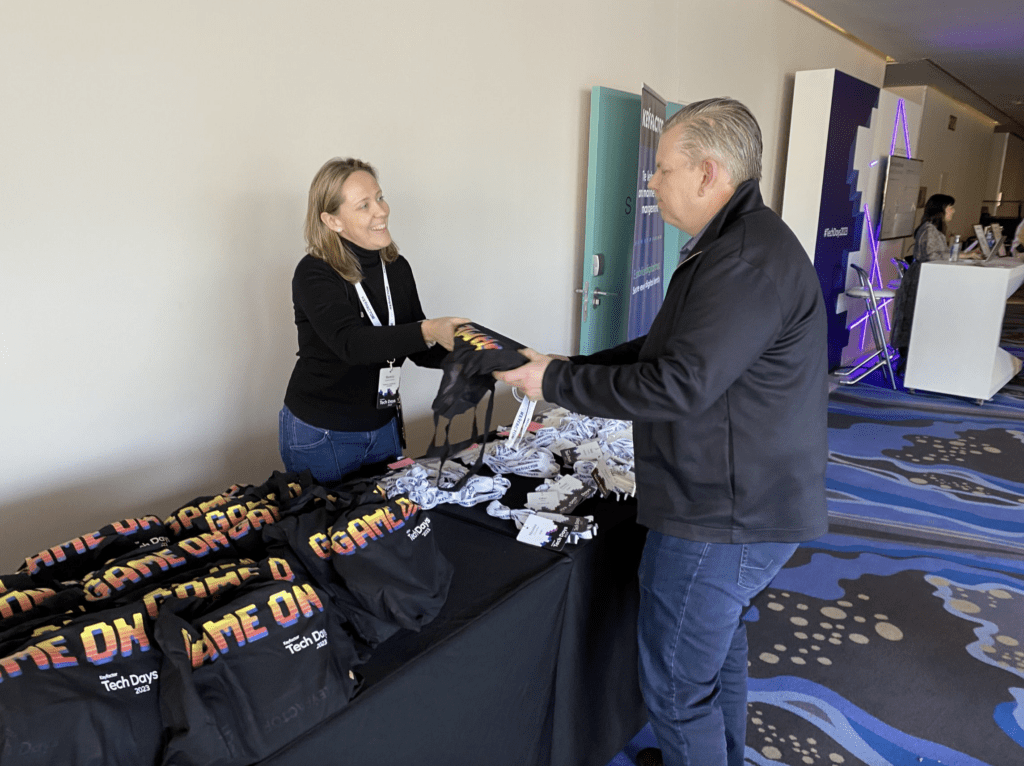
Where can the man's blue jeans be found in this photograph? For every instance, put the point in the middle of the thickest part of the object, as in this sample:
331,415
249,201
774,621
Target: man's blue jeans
329,455
693,644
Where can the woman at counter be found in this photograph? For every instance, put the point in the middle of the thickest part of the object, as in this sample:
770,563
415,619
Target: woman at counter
358,317
929,245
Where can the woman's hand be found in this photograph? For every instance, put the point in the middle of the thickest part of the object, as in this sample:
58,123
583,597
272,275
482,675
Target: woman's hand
441,330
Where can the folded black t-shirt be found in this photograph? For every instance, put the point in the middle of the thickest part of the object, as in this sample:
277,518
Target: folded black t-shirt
252,674
83,692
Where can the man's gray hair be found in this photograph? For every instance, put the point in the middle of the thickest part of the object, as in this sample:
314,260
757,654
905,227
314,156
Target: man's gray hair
722,129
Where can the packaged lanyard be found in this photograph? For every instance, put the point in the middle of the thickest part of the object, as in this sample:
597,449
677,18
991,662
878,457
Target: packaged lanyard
366,301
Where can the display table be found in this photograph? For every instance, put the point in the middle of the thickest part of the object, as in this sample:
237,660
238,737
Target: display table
958,318
532,660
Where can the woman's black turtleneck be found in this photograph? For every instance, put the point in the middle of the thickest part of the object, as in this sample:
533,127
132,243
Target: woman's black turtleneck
368,259
341,353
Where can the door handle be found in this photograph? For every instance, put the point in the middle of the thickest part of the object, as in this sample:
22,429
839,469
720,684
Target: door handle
586,305
598,295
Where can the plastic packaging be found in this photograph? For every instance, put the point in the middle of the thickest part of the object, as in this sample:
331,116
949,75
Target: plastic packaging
954,250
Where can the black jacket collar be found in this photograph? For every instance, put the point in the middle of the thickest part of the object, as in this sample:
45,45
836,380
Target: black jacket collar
745,199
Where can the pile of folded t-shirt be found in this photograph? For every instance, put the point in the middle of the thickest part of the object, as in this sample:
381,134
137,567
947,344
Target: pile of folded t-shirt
213,636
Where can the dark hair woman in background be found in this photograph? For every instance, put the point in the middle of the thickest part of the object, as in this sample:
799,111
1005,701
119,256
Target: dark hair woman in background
929,245
358,317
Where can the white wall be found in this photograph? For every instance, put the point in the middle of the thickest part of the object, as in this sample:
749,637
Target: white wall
997,157
153,176
1012,178
956,162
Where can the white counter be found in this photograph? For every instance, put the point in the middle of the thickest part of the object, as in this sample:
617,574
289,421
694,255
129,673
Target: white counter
958,319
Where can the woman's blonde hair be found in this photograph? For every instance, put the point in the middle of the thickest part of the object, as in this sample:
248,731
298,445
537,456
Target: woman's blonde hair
325,197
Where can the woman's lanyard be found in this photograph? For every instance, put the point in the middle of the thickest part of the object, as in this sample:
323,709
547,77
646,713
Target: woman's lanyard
366,301
390,376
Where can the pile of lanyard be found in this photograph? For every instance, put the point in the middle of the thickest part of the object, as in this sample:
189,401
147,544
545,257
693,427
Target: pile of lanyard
600,450
420,483
576,527
597,451
525,460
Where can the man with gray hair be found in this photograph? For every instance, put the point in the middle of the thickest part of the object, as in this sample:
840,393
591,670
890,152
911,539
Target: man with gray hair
728,397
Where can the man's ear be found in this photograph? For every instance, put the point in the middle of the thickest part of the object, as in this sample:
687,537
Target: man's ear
713,177
710,175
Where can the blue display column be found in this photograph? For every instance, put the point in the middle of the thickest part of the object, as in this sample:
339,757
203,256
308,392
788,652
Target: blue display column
821,202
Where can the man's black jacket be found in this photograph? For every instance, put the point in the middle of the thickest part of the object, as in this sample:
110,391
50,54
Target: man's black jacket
727,392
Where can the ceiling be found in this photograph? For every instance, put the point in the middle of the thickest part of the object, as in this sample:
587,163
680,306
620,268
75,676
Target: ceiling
971,51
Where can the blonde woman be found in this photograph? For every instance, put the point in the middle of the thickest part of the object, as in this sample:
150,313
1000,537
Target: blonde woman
358,317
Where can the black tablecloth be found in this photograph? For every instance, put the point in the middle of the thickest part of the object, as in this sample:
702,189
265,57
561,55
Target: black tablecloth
532,660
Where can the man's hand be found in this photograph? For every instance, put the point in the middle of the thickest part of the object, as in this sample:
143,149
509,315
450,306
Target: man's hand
530,377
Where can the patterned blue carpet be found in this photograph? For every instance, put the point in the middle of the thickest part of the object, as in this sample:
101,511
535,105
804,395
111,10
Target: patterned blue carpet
898,638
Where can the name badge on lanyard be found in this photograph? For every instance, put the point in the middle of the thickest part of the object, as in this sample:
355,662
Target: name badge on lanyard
390,376
387,386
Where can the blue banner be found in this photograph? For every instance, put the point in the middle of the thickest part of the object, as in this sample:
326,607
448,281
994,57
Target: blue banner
646,290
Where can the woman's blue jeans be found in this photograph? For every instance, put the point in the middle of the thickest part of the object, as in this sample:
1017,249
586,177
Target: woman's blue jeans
329,455
693,643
